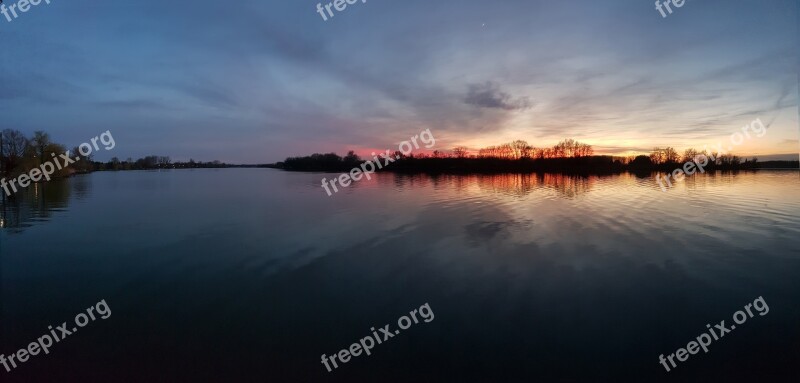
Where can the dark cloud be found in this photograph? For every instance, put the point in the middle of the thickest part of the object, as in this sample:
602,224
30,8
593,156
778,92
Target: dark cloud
489,95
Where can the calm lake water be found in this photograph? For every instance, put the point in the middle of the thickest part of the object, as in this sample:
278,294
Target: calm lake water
250,275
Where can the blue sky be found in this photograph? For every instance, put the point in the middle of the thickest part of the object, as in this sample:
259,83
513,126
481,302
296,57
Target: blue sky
257,81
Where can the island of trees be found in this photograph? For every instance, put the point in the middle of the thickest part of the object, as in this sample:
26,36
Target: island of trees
568,156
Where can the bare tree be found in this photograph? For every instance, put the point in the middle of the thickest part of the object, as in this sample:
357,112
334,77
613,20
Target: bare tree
13,146
671,156
39,144
690,155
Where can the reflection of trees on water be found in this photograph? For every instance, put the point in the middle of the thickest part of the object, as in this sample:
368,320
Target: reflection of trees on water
569,186
35,203
515,184
438,181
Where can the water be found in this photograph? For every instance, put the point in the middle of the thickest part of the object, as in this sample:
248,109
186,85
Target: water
250,275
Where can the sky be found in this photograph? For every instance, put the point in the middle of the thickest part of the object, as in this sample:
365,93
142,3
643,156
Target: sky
258,81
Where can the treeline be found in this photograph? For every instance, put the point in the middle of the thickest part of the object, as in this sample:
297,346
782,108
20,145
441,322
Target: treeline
19,154
669,157
568,156
566,151
321,162
520,149
153,162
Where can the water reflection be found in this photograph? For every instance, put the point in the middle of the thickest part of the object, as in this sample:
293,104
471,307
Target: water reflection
519,185
82,186
553,270
38,202
569,186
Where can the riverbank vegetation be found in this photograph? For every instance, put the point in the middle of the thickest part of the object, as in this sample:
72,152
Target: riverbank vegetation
19,154
568,156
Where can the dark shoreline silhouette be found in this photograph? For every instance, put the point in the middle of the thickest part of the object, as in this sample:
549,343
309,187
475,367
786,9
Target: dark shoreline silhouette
20,154
568,156
584,165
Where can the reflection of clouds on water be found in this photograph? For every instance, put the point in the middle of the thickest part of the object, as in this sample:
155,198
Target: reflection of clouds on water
482,232
479,232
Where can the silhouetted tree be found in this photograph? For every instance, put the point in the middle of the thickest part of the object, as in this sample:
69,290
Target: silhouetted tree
39,144
13,146
84,164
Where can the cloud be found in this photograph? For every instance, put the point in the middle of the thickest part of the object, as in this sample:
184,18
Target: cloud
489,95
279,81
135,104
